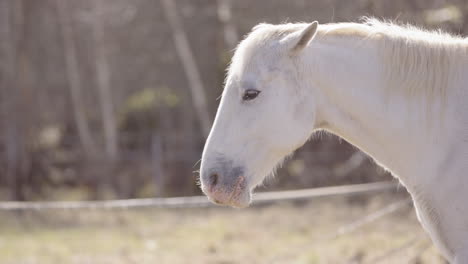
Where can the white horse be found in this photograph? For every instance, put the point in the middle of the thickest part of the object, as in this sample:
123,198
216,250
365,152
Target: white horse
398,93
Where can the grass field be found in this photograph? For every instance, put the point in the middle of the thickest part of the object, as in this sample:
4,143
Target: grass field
279,233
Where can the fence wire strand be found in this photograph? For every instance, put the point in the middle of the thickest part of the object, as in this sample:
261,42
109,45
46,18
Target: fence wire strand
199,201
349,228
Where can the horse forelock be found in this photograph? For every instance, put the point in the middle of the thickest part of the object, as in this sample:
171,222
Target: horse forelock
263,41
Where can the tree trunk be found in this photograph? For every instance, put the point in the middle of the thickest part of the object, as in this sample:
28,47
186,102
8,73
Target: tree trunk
73,78
104,85
229,29
8,94
17,114
190,67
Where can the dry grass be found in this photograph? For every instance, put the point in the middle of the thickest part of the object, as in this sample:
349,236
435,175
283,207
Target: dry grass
280,233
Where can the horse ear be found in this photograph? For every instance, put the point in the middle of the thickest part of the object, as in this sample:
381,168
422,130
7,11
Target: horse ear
305,37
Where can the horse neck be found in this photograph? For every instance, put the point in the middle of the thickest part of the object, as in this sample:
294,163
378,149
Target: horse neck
348,75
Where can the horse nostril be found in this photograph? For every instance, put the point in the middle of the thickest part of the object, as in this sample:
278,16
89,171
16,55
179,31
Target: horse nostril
213,179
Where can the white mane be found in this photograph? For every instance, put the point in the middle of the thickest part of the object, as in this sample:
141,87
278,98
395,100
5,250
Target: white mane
420,63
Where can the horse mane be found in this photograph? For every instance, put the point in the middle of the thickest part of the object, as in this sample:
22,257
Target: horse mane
418,62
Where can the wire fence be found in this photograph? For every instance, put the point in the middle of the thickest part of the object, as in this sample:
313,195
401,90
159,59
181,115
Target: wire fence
418,242
200,201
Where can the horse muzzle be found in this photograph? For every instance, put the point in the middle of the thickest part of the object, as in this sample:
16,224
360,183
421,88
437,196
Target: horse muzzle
226,187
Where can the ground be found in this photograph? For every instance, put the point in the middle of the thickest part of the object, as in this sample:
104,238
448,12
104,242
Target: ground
286,232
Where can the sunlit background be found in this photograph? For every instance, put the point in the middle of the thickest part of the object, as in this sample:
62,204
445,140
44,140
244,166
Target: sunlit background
113,99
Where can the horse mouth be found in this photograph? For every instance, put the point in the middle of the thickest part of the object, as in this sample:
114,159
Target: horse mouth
241,199
237,196
238,202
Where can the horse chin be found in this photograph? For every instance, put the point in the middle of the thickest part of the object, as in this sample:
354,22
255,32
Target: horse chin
238,199
242,200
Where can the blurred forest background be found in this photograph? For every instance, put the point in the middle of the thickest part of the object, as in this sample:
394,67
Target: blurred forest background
108,99
105,99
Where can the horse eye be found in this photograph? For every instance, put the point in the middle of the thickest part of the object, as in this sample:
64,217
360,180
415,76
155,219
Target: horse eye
250,94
